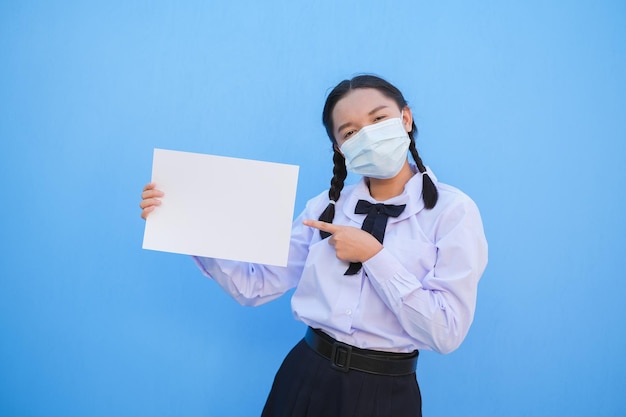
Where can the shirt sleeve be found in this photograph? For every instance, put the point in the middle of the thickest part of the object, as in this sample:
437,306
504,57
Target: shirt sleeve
254,284
437,309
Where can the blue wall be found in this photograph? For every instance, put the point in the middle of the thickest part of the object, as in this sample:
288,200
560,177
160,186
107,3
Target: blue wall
521,105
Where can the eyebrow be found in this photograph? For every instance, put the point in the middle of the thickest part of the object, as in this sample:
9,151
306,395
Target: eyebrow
369,114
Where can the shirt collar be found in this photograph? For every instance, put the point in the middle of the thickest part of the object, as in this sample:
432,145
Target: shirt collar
411,196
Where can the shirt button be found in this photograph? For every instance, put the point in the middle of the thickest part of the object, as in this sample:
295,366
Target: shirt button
349,312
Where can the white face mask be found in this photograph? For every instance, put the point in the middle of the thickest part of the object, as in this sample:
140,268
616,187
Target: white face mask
378,150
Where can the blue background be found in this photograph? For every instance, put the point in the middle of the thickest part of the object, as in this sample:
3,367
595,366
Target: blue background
519,104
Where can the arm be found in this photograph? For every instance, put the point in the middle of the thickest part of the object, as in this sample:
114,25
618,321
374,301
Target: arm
254,284
438,309
249,284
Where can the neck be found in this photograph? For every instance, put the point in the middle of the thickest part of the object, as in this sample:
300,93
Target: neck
384,189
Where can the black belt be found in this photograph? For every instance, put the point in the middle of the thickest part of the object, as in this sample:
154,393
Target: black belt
344,357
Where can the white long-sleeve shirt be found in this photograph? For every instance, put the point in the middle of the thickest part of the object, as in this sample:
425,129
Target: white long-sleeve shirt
418,292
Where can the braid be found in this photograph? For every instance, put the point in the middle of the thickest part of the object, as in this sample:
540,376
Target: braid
429,190
336,185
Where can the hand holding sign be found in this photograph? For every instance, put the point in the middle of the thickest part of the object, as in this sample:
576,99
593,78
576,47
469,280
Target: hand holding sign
150,199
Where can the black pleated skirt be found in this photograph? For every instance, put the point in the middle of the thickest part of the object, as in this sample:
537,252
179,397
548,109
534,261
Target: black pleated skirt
307,386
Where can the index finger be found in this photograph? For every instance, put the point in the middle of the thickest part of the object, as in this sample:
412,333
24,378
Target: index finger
320,225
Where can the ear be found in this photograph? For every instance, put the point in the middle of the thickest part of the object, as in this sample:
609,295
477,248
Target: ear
407,118
336,148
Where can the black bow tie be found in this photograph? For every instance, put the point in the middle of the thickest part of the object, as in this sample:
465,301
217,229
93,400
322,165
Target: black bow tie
375,223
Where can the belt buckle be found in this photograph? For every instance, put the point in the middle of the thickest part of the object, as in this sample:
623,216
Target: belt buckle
340,356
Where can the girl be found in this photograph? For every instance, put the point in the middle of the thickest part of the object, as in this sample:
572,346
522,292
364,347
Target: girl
390,266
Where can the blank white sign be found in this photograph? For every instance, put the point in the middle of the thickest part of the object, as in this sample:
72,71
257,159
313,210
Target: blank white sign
221,207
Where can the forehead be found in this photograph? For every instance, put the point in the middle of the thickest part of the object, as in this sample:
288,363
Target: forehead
358,103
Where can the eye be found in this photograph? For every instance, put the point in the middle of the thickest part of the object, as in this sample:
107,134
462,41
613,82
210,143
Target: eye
349,133
379,118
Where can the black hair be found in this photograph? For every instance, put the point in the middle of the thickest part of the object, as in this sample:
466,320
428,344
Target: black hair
429,190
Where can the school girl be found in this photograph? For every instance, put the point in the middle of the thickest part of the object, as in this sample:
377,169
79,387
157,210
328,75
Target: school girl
381,269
